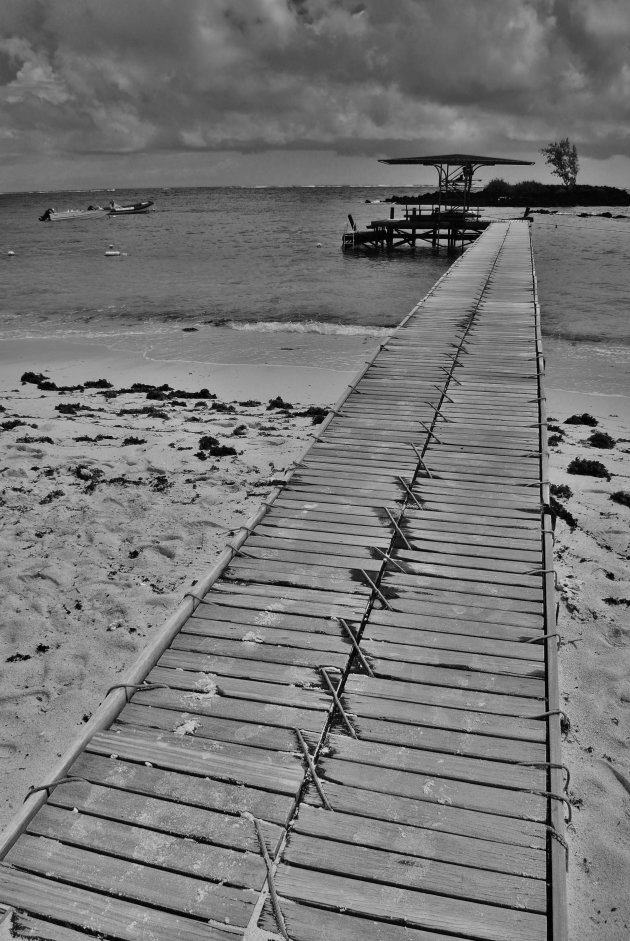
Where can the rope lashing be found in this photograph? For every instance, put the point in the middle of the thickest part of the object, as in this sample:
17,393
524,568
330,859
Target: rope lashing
366,666
551,830
191,594
397,527
421,461
547,764
270,877
544,572
388,558
557,797
437,410
537,640
376,589
428,431
450,375
410,492
135,687
337,701
243,552
443,392
551,712
312,769
50,787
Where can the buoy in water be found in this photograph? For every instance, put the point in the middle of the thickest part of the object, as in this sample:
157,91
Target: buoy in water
319,245
112,252
10,252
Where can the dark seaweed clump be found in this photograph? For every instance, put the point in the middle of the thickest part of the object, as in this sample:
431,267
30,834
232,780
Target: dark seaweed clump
622,497
561,491
600,439
583,419
278,402
580,465
210,446
315,412
559,511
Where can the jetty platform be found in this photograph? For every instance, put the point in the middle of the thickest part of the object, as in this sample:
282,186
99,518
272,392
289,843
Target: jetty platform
352,730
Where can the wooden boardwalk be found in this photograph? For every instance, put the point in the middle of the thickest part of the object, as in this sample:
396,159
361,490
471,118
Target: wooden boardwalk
355,735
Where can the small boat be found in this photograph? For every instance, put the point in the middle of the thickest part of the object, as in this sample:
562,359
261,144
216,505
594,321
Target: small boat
116,210
92,212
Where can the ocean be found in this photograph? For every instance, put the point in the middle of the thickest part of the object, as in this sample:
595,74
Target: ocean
253,275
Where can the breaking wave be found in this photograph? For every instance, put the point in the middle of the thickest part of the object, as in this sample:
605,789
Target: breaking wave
306,326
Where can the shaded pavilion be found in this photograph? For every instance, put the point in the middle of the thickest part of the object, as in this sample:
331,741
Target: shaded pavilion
447,218
455,174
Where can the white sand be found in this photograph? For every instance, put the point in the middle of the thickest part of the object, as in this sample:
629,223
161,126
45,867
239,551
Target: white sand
592,565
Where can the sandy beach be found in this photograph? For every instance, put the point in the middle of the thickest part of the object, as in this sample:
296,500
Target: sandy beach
591,560
114,505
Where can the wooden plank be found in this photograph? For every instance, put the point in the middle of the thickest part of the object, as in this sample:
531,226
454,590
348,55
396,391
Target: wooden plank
421,842
453,698
131,881
234,712
191,856
306,923
250,733
433,789
209,686
184,790
444,818
376,867
499,774
463,739
256,645
103,914
420,635
481,662
25,926
445,621
459,579
467,723
421,910
455,606
274,771
158,816
248,669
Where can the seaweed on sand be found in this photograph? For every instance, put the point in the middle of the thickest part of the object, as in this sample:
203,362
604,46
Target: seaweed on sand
580,465
583,419
600,439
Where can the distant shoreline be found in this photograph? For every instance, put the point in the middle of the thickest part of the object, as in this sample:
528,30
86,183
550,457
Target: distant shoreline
532,193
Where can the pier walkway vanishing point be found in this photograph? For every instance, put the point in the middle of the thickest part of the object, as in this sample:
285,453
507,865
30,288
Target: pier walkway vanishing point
355,734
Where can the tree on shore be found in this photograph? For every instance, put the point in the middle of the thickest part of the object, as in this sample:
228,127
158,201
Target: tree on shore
563,157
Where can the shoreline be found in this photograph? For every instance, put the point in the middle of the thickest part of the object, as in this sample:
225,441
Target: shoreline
106,534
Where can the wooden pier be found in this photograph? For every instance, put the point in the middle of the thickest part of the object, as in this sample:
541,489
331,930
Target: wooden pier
353,731
452,230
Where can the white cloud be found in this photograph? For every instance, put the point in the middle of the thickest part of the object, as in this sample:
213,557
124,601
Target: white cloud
370,77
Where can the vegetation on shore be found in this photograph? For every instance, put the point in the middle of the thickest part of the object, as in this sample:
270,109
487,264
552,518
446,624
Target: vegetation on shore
533,193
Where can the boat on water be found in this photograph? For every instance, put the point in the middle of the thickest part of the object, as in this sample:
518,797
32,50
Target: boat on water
116,210
92,212
96,212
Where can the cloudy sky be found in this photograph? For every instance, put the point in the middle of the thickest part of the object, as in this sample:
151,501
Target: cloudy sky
204,92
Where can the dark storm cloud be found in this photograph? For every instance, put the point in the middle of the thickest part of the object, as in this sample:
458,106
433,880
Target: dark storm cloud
359,77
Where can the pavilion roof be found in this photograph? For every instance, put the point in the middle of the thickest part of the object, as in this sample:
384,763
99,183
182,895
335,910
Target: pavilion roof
455,160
